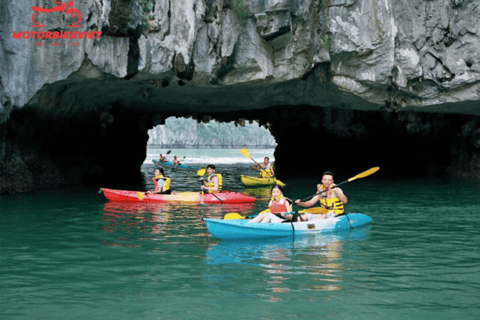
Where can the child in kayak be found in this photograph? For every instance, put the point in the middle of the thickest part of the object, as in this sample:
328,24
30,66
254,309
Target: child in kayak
279,207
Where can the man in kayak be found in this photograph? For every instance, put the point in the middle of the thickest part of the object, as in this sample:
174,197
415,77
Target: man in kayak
162,183
162,159
330,197
214,181
175,162
266,168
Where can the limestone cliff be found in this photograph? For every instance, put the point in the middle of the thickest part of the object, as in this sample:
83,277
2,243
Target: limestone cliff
97,85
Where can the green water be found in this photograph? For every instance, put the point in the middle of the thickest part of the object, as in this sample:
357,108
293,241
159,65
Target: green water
70,254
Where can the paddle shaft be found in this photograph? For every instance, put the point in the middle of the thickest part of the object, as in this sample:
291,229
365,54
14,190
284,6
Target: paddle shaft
216,197
358,176
313,195
212,194
260,167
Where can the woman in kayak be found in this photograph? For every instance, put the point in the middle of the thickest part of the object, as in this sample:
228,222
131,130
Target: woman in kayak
330,197
279,207
162,183
266,168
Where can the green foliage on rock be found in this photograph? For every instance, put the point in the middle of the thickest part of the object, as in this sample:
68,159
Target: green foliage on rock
147,6
241,10
327,40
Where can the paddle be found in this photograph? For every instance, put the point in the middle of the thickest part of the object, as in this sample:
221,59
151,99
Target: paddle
358,176
160,160
201,172
315,210
233,216
247,154
237,216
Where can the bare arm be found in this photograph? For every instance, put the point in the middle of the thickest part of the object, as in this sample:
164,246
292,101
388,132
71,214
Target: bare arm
308,203
215,186
341,195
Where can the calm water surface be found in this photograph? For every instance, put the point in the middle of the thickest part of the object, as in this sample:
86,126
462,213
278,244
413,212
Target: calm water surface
70,254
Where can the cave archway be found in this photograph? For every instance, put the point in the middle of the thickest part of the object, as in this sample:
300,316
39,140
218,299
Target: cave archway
76,145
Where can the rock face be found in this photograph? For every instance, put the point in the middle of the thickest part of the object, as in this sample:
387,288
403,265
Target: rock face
97,85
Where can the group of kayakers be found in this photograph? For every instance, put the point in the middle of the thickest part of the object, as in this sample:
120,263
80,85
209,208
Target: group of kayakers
163,159
330,197
212,184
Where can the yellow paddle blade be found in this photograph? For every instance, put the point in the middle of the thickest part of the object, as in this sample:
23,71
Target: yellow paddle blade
280,183
365,173
315,210
140,195
233,216
201,172
246,153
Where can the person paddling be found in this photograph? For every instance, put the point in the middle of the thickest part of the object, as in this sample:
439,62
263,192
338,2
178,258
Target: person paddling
175,161
266,168
280,208
214,181
162,159
330,197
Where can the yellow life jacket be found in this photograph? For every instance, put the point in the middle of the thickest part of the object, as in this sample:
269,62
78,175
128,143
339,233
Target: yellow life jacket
166,183
266,173
210,184
332,203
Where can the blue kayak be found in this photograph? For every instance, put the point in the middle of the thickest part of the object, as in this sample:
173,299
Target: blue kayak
243,229
169,164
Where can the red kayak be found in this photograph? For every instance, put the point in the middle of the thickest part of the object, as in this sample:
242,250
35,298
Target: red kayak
183,197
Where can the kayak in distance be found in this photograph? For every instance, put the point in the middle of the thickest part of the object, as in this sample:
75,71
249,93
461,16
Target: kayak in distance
183,197
169,164
233,229
249,181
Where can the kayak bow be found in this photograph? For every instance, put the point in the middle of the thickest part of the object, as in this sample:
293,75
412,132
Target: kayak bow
258,182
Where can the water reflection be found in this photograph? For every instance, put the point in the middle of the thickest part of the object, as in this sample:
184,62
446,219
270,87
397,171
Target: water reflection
130,224
259,193
306,263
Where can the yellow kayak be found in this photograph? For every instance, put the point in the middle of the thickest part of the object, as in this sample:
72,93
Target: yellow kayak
258,182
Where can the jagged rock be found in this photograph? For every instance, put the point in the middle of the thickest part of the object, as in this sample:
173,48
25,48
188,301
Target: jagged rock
165,57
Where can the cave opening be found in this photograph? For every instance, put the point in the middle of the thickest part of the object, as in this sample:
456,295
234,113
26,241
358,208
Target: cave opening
109,144
188,133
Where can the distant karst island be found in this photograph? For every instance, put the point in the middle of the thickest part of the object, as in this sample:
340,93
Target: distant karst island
184,133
